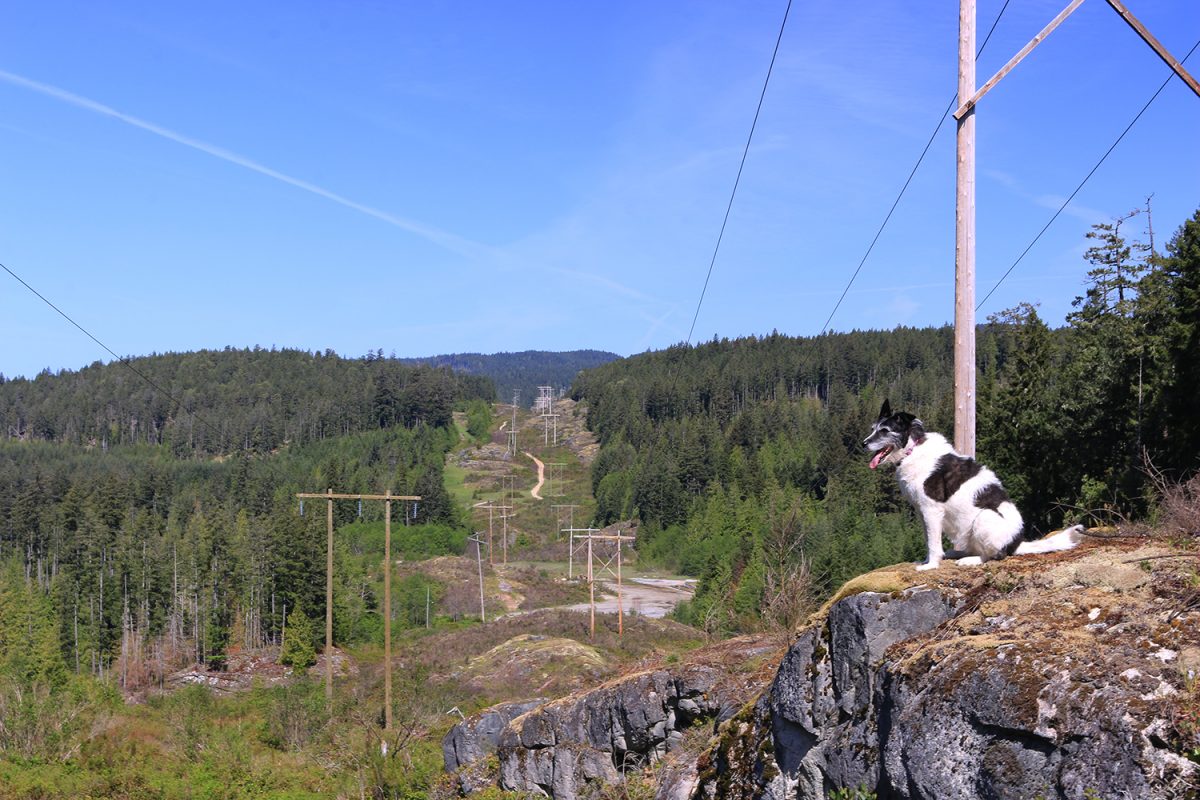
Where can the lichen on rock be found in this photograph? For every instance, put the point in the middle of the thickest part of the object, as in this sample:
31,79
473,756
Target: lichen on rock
1002,681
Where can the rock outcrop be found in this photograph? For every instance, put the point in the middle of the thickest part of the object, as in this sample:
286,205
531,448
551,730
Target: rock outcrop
623,725
469,742
1070,675
1035,677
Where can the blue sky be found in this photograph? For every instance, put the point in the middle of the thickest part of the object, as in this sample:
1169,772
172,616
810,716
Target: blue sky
443,177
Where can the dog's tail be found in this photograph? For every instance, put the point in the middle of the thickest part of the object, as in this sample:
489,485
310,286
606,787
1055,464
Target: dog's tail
1060,540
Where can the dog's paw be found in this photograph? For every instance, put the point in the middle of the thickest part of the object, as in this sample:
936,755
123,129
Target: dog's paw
928,565
969,561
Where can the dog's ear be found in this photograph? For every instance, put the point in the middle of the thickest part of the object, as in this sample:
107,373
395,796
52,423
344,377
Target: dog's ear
916,431
885,411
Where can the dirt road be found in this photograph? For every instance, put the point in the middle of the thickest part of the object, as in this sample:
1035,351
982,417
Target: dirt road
649,597
535,492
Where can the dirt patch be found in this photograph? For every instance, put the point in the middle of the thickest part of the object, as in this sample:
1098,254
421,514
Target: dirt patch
647,597
246,669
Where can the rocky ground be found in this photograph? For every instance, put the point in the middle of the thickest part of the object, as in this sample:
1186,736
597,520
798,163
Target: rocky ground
1069,675
1065,675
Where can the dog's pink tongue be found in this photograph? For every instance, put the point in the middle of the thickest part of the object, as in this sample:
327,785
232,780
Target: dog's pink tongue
878,457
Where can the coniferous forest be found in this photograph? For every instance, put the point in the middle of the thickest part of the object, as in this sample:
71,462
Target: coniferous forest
151,526
742,457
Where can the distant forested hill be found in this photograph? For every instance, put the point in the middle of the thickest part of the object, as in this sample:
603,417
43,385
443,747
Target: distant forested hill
521,372
222,401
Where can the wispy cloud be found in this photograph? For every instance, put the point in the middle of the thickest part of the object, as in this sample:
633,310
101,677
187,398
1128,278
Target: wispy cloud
655,324
1048,201
449,241
601,280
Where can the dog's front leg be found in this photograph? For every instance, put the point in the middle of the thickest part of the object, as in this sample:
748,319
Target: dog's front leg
932,517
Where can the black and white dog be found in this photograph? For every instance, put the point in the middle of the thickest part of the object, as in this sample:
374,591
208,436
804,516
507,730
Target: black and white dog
954,495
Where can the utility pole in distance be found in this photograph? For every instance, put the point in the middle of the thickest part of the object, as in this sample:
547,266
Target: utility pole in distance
570,511
479,561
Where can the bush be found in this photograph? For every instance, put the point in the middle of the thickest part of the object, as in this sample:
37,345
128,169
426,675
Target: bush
37,722
294,715
190,712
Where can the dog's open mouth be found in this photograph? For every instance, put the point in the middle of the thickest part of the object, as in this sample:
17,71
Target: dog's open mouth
880,456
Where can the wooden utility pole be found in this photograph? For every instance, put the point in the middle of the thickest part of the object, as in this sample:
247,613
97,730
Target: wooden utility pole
387,498
605,565
551,470
557,509
387,611
329,599
584,534
591,592
479,561
504,533
491,507
964,241
964,247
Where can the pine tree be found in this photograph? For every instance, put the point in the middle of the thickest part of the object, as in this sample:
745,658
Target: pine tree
298,651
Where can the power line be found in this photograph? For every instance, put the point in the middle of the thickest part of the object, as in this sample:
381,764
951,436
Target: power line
1084,181
741,166
904,188
122,359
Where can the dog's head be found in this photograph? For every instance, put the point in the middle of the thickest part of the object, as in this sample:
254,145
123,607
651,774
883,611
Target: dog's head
890,435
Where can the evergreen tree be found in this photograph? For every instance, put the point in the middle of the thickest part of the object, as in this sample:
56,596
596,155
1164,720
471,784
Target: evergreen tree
297,650
1172,294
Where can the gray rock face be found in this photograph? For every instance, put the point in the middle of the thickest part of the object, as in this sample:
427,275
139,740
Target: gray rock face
624,725
915,694
477,735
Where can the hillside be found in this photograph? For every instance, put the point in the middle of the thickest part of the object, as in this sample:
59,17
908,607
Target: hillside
521,372
175,585
217,402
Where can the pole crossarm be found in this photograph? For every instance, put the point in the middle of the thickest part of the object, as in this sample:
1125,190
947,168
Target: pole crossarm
334,496
1024,51
1124,13
1155,45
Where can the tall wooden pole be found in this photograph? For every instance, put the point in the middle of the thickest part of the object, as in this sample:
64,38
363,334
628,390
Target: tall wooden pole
591,592
387,612
964,245
491,561
620,605
329,599
479,561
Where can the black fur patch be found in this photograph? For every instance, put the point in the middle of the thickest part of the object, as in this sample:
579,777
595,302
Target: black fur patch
1012,546
990,497
949,475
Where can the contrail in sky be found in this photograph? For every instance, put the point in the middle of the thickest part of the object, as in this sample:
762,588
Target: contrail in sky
446,240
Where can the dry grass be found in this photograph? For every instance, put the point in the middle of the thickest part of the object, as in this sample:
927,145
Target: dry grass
1179,507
